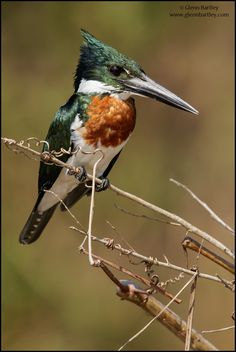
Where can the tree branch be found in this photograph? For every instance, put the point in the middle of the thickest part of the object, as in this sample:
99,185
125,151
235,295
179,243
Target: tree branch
213,215
152,261
48,157
167,317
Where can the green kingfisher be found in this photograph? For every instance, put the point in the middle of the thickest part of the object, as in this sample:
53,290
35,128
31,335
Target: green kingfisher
99,115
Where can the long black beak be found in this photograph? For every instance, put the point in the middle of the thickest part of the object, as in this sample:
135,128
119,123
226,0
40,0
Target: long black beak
147,87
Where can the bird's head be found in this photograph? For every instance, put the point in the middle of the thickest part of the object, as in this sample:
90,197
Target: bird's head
103,69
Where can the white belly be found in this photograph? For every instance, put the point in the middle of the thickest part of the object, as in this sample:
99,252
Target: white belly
86,157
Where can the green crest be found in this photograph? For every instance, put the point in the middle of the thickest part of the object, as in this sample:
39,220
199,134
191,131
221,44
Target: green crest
103,63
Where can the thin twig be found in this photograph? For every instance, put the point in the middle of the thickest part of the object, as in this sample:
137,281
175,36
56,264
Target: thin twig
194,245
169,319
112,277
205,206
190,314
157,316
146,216
119,236
228,284
172,281
218,330
67,209
47,157
189,227
91,210
131,274
150,260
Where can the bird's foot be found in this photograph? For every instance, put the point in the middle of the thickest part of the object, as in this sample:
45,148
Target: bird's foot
102,186
80,174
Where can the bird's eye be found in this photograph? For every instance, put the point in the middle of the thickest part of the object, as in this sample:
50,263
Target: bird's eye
116,70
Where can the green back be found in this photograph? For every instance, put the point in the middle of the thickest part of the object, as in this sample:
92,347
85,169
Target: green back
59,137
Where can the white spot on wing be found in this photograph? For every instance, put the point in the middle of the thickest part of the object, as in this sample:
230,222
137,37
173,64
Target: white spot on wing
77,123
75,136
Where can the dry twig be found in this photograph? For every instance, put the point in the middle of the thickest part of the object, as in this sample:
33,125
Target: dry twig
132,293
168,318
190,313
49,157
218,330
189,243
213,215
150,260
133,275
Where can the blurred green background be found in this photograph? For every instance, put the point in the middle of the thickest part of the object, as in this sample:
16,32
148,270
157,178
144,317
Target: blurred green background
52,299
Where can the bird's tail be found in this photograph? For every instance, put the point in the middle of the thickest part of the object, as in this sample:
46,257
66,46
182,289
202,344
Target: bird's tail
35,224
75,195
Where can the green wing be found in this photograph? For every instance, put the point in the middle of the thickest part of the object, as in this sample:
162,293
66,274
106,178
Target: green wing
58,137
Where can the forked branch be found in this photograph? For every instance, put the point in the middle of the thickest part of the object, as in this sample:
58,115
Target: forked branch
49,157
126,289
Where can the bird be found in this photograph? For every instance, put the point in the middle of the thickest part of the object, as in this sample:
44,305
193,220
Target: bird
100,114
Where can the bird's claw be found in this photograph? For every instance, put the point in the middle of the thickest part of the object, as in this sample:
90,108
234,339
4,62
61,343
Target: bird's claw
102,186
81,176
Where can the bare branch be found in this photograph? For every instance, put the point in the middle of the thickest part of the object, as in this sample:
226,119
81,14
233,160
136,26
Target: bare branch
190,314
146,217
91,211
228,284
192,244
128,290
133,275
205,206
218,330
49,157
189,227
167,318
150,260
170,320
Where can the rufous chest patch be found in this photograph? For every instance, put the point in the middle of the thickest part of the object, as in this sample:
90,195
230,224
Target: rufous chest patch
110,121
